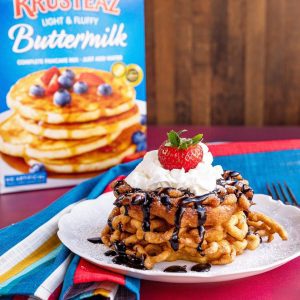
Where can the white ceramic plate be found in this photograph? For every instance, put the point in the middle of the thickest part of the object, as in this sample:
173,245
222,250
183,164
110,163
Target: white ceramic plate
88,218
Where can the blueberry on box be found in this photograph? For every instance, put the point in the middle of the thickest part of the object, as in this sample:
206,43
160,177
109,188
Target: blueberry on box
141,146
143,119
80,87
69,73
62,97
36,90
138,137
36,168
65,81
105,89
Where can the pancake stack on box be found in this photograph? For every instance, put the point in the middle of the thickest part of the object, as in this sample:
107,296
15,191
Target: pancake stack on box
72,121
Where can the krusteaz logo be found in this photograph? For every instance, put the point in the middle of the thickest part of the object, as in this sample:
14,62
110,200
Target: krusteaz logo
31,8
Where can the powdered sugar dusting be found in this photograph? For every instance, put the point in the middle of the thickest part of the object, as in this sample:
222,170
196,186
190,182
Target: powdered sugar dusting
88,218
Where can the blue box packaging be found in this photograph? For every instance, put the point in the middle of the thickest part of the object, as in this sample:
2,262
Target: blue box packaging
73,90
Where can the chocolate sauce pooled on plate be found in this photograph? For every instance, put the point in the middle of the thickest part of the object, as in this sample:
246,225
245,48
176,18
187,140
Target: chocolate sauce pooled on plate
95,240
110,253
201,268
129,261
121,258
120,247
175,269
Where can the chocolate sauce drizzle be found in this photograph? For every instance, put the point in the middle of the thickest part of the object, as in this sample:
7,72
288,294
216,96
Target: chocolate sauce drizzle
109,223
201,211
165,201
146,211
232,173
126,210
241,188
174,241
145,199
117,184
244,188
184,202
201,220
163,193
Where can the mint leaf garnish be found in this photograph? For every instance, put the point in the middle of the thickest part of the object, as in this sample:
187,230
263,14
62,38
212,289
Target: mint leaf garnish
181,132
184,145
174,139
197,138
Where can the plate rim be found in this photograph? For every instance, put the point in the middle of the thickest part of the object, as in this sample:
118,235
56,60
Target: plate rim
190,275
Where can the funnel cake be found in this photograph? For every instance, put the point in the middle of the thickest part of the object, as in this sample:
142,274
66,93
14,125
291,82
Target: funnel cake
170,224
148,226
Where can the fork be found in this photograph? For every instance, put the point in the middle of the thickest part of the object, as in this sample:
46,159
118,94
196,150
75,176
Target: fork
287,196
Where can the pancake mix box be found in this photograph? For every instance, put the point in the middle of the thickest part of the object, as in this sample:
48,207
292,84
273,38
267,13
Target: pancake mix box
72,90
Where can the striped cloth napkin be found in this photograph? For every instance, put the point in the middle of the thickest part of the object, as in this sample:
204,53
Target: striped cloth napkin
34,263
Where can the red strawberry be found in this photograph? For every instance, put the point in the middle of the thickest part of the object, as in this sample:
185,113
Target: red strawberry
90,78
178,153
53,85
46,78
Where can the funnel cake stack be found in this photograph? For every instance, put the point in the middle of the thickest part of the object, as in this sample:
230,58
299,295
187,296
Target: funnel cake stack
170,224
71,120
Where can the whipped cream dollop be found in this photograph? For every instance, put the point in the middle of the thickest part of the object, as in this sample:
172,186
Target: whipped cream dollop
150,174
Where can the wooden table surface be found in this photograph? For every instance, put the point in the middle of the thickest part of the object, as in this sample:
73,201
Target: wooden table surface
283,281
